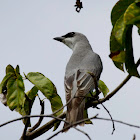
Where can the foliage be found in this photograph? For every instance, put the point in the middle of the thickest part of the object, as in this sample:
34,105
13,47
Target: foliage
13,86
124,15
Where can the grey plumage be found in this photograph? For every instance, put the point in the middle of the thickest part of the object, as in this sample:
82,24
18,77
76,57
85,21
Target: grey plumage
78,82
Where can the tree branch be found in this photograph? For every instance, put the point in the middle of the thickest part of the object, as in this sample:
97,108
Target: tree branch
23,137
45,127
35,116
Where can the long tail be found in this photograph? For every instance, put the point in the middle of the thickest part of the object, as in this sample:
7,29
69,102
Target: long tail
75,115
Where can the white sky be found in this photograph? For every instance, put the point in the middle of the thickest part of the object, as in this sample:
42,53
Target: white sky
27,29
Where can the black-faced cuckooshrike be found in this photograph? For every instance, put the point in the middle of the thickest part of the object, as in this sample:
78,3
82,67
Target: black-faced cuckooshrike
78,82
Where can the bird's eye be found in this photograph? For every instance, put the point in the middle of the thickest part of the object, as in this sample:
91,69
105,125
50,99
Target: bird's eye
71,34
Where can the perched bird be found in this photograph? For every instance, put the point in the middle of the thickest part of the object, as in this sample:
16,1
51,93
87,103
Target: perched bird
78,82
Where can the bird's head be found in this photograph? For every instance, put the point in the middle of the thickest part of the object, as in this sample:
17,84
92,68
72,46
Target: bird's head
71,38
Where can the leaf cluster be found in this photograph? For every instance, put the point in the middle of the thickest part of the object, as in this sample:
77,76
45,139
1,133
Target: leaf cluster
13,94
125,14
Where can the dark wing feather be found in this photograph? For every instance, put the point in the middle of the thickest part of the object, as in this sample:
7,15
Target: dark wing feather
84,83
68,84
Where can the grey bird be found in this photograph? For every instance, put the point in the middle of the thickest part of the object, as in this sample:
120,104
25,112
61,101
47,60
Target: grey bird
78,82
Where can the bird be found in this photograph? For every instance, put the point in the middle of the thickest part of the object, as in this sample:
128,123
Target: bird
78,81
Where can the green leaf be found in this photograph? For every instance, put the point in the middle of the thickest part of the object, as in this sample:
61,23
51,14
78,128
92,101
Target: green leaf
114,44
119,30
4,81
47,88
132,14
15,92
17,69
119,9
32,93
103,88
121,39
131,17
29,100
118,56
10,69
115,48
129,59
28,103
119,65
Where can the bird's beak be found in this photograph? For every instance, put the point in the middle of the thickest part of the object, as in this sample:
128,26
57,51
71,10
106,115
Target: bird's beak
59,39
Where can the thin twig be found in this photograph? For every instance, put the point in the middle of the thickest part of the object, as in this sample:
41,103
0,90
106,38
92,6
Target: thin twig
131,125
83,132
33,116
110,117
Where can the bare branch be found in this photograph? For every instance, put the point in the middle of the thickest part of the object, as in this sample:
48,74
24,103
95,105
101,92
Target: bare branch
34,116
131,125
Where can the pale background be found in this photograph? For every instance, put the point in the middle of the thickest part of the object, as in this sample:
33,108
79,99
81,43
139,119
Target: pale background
27,29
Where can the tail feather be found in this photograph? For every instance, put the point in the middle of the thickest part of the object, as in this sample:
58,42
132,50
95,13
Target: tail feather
80,115
75,115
